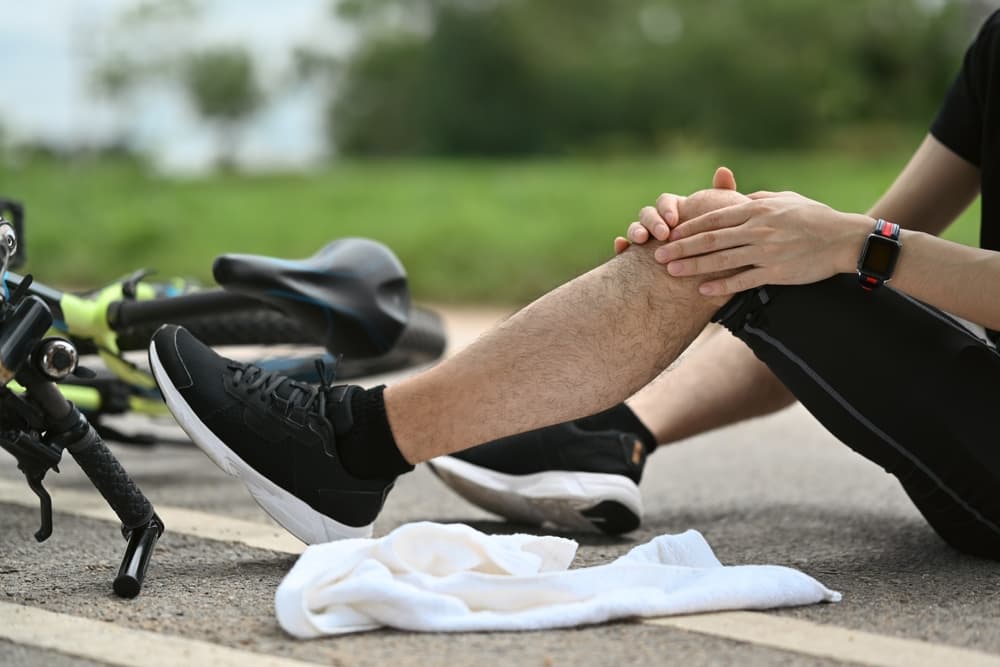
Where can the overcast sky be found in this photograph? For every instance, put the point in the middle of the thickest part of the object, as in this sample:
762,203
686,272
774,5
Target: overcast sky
48,49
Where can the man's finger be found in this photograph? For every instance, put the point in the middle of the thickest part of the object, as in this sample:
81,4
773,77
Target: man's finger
723,260
621,245
637,233
767,194
668,206
724,179
653,222
735,284
706,242
720,218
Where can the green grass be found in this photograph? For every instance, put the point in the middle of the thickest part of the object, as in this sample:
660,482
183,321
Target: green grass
500,232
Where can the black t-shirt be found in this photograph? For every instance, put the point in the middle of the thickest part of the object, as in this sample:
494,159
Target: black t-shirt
969,122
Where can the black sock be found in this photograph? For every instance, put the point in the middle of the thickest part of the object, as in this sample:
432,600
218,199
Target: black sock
368,450
621,418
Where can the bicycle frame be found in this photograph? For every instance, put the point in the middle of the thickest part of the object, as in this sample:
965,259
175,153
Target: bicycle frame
87,318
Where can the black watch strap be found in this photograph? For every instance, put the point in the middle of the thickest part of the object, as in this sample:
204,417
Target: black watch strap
879,255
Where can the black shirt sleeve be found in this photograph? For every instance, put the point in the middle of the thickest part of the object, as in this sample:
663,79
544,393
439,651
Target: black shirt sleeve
959,122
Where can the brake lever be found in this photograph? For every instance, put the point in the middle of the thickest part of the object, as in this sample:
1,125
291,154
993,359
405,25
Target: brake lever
35,458
45,506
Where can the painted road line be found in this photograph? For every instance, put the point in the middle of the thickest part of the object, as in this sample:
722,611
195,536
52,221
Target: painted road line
826,641
113,644
788,634
177,519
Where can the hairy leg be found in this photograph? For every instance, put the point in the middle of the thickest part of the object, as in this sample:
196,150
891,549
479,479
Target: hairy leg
717,382
580,348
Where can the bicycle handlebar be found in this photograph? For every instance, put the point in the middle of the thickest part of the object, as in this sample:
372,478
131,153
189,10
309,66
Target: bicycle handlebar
106,473
141,526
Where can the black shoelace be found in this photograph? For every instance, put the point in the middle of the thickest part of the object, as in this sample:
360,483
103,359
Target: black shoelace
302,395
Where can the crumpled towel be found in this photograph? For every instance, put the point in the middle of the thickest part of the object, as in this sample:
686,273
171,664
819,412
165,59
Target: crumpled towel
450,578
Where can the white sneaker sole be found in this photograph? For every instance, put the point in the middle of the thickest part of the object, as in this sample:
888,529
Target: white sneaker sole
580,501
293,514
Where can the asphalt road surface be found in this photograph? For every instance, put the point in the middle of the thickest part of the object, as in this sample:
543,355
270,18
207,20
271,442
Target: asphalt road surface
778,490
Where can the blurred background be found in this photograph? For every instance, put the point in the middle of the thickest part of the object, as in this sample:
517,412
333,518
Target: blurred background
496,145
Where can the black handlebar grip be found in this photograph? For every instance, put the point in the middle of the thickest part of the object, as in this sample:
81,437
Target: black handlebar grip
110,478
140,526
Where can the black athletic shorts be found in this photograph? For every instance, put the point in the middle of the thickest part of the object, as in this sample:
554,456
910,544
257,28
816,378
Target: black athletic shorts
898,381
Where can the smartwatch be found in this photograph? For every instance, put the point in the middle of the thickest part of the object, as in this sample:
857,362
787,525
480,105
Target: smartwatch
879,255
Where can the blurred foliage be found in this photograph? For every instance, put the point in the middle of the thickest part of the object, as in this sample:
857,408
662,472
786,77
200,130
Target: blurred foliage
143,45
222,84
149,45
507,77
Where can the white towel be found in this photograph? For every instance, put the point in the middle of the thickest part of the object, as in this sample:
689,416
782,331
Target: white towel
450,578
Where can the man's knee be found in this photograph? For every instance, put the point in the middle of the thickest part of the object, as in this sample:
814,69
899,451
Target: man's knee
637,267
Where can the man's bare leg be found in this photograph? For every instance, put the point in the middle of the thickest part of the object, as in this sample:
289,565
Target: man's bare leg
586,345
718,382
580,348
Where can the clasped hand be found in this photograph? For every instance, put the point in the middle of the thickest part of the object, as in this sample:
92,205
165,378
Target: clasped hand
766,238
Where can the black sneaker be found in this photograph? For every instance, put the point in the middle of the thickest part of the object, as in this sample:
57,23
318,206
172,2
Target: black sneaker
562,475
276,435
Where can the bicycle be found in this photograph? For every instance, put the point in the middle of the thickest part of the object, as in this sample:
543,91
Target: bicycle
351,297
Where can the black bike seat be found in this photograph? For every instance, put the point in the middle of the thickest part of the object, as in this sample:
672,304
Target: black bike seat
352,294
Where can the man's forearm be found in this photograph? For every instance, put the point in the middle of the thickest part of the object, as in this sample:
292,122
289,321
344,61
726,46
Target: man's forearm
934,187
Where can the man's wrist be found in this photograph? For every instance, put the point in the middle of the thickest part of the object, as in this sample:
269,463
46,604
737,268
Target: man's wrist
857,227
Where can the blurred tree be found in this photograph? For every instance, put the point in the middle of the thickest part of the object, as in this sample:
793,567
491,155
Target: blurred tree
513,76
380,89
223,87
310,62
140,49
150,45
116,79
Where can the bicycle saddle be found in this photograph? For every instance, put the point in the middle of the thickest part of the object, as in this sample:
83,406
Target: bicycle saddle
351,295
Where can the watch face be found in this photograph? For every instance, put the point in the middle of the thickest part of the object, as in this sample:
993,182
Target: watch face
879,256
